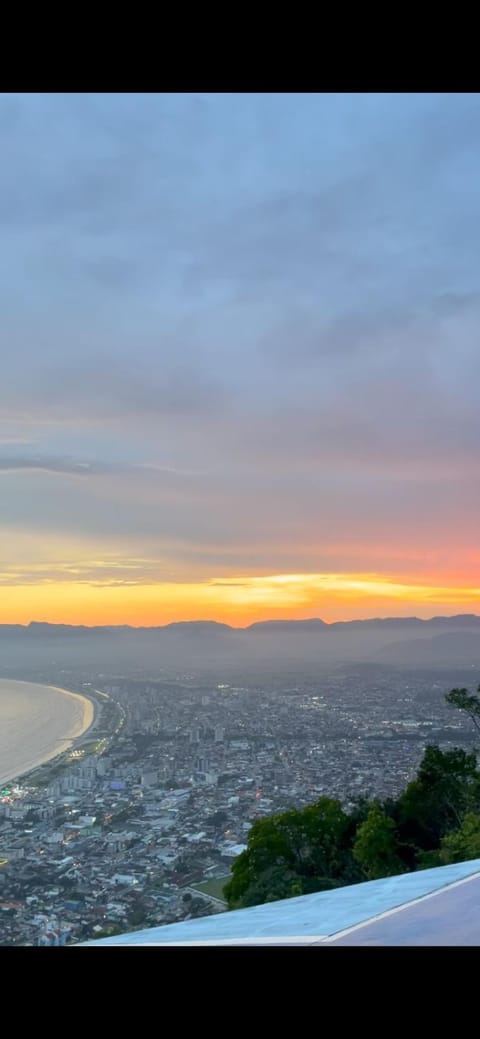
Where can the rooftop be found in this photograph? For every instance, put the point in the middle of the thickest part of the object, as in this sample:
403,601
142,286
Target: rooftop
430,907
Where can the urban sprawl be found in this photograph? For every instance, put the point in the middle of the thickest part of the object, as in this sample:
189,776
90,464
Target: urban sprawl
138,823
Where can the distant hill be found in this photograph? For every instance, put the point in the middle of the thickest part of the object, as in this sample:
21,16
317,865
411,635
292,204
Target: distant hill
314,625
451,648
296,627
460,620
269,645
195,628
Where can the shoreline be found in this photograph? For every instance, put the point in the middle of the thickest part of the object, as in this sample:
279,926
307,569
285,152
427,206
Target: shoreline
80,725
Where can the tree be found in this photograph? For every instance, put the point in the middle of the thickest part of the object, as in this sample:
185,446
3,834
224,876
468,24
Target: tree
465,701
464,843
316,838
435,820
375,847
447,785
136,916
272,884
266,848
290,852
199,907
109,931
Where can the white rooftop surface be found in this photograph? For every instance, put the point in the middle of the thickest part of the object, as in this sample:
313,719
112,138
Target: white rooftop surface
430,907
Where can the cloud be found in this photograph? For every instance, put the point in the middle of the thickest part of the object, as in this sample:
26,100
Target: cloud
70,467
108,572
247,324
47,465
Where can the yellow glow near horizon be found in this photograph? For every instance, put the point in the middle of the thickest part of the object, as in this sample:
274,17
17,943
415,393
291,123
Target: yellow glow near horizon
237,599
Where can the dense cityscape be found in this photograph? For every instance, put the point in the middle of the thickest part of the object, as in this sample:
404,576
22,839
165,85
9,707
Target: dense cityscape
239,428
138,823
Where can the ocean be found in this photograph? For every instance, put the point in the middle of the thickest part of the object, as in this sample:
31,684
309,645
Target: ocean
37,722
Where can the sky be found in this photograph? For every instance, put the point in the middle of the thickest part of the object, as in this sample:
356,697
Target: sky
240,356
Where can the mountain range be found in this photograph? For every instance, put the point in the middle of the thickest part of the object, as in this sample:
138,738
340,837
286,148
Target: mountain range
312,625
283,644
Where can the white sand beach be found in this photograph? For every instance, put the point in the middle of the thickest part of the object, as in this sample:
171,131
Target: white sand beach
37,722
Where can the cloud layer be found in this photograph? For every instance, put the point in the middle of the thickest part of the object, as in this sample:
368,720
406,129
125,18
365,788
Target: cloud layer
240,337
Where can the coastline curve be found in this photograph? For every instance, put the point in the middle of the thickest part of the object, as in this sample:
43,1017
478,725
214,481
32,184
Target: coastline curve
38,723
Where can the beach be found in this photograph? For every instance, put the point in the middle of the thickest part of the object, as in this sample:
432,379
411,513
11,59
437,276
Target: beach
37,722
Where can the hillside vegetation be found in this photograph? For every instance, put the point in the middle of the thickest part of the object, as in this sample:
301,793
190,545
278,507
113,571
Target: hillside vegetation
434,821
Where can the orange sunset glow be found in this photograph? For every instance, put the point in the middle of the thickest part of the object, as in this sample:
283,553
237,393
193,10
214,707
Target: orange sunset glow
241,358
235,600
239,519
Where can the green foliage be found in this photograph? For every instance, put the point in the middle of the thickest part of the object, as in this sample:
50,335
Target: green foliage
436,820
136,916
429,859
109,931
272,884
291,851
447,784
465,701
464,843
375,847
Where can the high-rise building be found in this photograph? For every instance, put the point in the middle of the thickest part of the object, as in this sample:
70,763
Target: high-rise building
202,763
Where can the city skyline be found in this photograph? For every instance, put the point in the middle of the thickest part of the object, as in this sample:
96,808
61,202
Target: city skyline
239,356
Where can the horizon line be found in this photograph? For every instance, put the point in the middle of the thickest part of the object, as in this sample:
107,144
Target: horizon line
246,627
